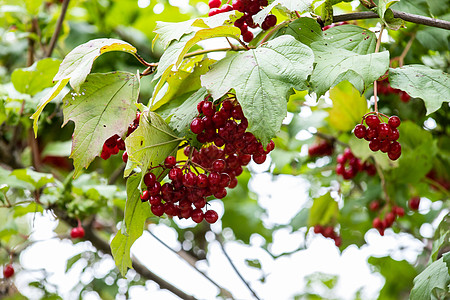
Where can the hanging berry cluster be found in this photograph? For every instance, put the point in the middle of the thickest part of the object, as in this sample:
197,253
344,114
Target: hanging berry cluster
328,232
249,8
380,223
381,136
348,166
115,143
323,148
227,147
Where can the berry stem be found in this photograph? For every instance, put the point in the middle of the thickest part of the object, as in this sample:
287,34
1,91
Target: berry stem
377,48
275,29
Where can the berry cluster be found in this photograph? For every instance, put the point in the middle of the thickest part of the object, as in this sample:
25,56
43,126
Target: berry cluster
381,136
384,88
115,143
249,8
208,171
389,217
328,232
323,148
348,165
8,271
77,232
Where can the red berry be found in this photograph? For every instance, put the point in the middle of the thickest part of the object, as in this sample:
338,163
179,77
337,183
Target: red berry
374,145
360,131
399,211
383,131
238,5
211,216
414,203
338,241
376,223
170,162
8,271
77,232
371,133
149,179
214,3
214,11
374,205
218,165
385,145
372,121
175,174
394,121
394,156
269,21
390,218
197,125
247,37
208,111
125,157
259,158
226,8
157,209
318,229
145,196
197,215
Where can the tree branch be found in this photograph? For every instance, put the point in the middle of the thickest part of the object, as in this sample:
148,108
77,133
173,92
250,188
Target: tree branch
103,246
55,35
220,240
397,14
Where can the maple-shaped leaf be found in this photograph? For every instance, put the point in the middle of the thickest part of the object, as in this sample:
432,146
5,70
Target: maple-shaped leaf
263,78
104,107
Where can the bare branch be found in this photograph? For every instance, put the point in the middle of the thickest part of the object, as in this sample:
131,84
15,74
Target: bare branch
55,35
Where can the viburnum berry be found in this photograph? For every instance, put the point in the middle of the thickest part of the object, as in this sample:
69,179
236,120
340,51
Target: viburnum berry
414,203
170,162
372,121
360,131
214,3
394,121
211,216
77,232
8,271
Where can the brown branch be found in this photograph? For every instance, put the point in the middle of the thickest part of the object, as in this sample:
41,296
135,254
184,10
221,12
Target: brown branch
59,23
397,14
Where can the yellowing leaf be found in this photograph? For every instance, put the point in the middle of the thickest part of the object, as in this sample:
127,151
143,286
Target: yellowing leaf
49,97
348,106
78,63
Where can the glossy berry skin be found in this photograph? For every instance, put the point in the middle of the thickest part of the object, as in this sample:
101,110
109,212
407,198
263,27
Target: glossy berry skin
157,209
149,179
214,3
8,271
383,131
394,121
360,131
197,215
414,203
247,37
211,216
197,125
170,162
238,5
77,232
372,121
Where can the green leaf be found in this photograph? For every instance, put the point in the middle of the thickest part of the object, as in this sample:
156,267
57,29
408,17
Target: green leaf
254,263
291,5
71,261
174,54
360,149
399,276
166,32
334,65
433,282
78,63
386,14
418,153
300,220
37,179
348,106
104,107
44,101
262,78
442,237
21,210
35,78
432,86
351,37
136,212
150,143
324,211
305,30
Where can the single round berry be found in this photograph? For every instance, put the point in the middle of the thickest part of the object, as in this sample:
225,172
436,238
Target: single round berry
259,158
360,131
414,203
197,215
125,157
318,229
157,209
394,121
211,216
170,161
145,196
214,3
372,121
383,131
374,145
394,156
8,271
77,232
208,110
374,205
219,165
197,125
376,223
247,37
399,211
238,5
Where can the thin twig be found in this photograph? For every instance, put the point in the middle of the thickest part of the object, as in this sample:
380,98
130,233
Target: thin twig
397,14
275,29
219,239
402,56
375,83
223,290
330,138
59,23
